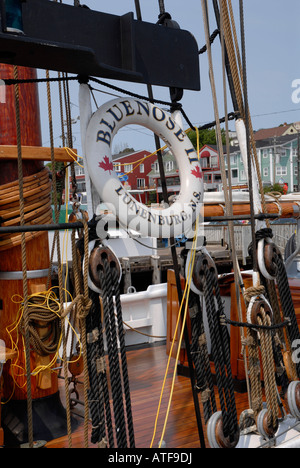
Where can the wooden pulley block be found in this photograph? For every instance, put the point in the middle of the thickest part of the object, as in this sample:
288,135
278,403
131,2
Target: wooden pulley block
293,399
256,313
78,215
289,365
264,428
203,262
75,365
98,256
215,433
270,249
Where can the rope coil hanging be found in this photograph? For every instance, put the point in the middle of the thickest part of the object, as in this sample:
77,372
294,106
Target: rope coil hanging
43,314
37,206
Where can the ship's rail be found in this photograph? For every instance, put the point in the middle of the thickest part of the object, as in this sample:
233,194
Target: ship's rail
219,235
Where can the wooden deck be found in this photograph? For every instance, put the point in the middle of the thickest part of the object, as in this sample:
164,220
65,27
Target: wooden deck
146,368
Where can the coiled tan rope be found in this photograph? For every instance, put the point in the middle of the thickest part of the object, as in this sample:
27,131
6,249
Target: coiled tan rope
42,314
36,206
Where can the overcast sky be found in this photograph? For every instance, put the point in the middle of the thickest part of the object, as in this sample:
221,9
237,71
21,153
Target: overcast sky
272,46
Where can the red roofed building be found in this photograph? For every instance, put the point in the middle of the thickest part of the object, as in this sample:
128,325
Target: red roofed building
275,132
210,164
133,169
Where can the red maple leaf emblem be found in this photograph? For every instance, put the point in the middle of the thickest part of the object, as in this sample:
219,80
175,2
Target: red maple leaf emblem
106,164
197,172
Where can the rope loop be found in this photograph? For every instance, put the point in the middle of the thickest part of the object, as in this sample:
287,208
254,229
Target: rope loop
43,313
253,292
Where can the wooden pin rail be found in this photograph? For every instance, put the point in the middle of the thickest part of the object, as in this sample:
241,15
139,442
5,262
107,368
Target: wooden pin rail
37,153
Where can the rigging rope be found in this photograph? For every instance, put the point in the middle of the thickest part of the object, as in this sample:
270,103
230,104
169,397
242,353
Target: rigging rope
236,69
183,303
24,268
162,9
220,352
82,312
43,313
284,291
110,425
229,207
111,337
56,242
268,370
98,395
115,280
199,351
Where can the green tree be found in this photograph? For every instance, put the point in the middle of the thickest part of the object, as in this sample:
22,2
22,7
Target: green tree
274,188
206,137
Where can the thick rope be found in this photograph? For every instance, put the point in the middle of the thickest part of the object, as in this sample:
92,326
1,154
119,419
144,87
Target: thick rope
123,358
162,9
24,268
41,316
200,356
254,360
268,370
98,391
114,365
56,241
228,203
239,288
82,310
230,35
288,311
287,304
254,371
221,353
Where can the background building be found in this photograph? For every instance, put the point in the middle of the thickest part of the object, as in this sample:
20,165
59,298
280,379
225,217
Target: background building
278,162
171,174
133,170
277,151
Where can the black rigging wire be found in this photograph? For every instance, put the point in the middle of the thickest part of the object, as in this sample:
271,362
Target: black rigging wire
247,125
175,259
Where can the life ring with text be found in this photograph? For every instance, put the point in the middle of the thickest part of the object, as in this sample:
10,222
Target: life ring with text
150,221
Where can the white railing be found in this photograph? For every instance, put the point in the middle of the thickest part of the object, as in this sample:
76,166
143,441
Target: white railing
216,234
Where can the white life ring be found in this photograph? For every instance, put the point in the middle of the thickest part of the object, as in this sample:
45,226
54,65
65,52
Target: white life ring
175,220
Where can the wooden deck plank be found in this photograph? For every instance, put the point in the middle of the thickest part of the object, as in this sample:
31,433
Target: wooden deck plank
146,369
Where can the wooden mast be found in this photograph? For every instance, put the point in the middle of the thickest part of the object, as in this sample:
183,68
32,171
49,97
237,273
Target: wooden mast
37,248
